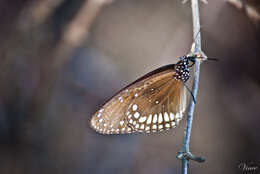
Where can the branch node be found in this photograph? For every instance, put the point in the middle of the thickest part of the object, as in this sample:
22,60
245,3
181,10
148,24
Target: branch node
189,156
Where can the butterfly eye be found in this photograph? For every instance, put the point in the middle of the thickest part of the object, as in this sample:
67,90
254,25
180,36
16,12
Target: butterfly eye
191,64
191,61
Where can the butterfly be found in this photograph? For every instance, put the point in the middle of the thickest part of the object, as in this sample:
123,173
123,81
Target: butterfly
153,103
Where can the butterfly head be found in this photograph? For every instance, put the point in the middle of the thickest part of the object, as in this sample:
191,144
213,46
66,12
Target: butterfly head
185,62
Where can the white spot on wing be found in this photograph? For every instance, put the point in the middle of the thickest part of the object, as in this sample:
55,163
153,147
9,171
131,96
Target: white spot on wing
166,116
172,116
134,107
120,99
142,119
137,115
177,115
160,119
155,118
149,120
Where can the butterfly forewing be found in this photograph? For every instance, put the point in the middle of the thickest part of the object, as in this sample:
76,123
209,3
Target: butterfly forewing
154,102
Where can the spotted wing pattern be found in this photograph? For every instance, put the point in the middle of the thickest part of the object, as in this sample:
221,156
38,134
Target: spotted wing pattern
154,102
160,107
110,119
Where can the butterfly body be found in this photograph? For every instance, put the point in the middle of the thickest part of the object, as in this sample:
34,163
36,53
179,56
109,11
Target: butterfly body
154,102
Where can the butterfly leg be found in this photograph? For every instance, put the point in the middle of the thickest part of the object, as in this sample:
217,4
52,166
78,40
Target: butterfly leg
190,93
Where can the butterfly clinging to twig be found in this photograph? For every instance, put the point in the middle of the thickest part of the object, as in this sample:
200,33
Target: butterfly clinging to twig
154,102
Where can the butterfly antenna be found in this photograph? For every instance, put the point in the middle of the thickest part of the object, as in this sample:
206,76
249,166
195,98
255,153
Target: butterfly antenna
199,56
214,59
190,92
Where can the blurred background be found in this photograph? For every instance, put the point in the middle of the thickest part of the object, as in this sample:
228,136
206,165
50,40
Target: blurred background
61,59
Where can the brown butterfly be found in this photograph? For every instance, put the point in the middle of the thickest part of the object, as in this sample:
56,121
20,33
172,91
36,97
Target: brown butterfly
155,102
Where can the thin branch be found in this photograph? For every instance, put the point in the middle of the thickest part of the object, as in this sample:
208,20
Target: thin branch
36,13
185,155
250,10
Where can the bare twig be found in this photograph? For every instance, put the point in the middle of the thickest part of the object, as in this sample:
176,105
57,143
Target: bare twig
250,10
185,155
36,13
